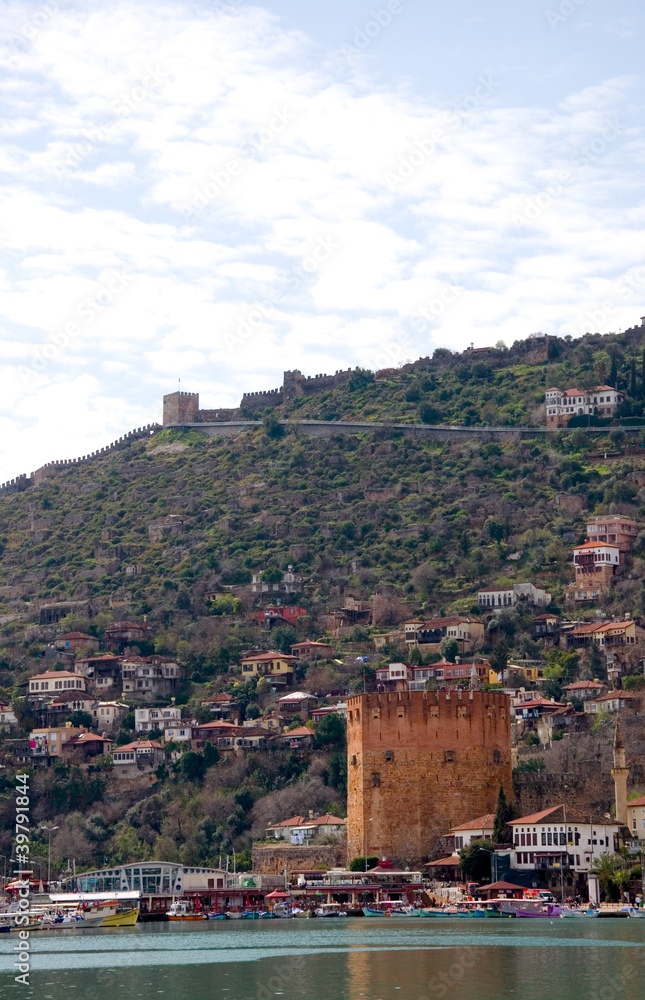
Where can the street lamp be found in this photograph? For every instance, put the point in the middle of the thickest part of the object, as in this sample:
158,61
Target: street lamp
49,830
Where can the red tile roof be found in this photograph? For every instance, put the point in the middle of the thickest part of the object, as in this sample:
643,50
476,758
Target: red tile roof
267,656
300,731
76,635
481,823
534,818
54,673
595,545
584,685
140,745
640,801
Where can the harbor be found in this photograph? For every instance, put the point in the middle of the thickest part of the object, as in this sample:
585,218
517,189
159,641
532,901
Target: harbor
322,960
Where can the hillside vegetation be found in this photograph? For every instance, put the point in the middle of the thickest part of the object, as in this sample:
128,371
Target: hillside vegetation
419,525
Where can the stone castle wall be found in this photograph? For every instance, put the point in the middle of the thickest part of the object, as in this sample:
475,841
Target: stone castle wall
419,763
271,859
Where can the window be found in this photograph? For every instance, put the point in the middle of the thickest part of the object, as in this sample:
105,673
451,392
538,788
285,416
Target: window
459,843
544,838
376,779
448,756
388,754
496,756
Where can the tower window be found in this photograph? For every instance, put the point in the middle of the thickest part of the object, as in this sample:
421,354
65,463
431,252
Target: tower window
376,779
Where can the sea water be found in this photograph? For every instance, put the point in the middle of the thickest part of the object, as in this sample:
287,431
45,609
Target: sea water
359,959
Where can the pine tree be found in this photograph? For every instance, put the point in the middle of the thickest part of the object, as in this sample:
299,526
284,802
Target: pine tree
643,376
632,380
502,832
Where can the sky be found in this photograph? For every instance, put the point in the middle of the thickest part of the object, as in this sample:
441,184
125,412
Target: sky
203,195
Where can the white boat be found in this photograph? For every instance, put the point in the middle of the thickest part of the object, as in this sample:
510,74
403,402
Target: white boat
329,910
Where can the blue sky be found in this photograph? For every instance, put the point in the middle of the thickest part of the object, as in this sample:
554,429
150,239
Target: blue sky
219,191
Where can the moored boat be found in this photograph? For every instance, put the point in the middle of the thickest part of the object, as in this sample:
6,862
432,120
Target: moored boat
181,911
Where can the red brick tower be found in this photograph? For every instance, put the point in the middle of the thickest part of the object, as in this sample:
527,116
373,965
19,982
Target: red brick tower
420,762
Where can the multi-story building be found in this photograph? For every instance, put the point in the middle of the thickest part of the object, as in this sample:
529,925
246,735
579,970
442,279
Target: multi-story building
136,758
467,632
279,613
102,673
45,686
303,829
291,583
475,829
595,566
606,635
73,641
108,714
276,667
8,720
562,842
49,741
150,677
223,706
613,529
146,720
420,763
562,404
508,597
121,633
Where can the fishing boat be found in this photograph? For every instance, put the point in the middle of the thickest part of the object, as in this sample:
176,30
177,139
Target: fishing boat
181,911
370,911
122,918
218,915
634,912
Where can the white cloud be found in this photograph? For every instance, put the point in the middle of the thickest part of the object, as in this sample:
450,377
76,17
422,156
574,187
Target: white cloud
153,103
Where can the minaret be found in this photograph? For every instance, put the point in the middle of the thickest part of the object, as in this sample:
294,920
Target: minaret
620,773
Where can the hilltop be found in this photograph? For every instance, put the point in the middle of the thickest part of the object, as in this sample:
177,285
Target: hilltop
164,521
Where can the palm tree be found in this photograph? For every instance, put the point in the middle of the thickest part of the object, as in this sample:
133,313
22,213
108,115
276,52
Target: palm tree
605,868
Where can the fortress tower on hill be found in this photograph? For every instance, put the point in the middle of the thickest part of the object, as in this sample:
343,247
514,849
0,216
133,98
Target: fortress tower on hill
419,763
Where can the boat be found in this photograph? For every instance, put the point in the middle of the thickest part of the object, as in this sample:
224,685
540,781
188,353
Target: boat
283,910
181,911
217,915
329,910
634,912
250,915
122,918
403,911
234,914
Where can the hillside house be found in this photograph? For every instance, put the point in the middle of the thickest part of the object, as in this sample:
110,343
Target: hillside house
223,706
625,702
150,678
119,634
141,756
585,690
291,583
562,404
8,720
278,614
528,714
271,723
48,742
45,686
547,628
108,714
147,720
606,635
51,614
385,640
393,677
496,598
74,641
308,650
299,739
613,529
297,703
277,668
102,673
56,711
340,708
467,632
178,734
85,748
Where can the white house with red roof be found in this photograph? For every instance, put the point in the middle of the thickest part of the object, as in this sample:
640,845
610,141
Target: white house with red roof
136,758
52,682
560,838
625,702
302,829
562,404
584,690
476,829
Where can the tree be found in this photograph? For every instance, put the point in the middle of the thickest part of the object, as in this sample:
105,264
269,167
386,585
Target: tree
272,426
632,380
429,413
502,832
475,860
449,649
499,657
643,375
360,378
613,371
80,719
192,766
596,661
283,637
211,755
415,656
226,605
363,864
331,731
272,575
496,528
